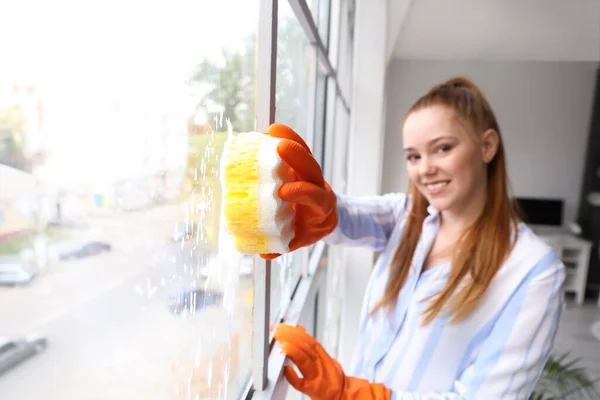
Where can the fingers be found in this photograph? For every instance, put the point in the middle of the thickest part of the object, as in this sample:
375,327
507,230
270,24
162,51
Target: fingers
285,132
303,357
292,334
293,378
304,193
301,161
296,344
270,256
313,236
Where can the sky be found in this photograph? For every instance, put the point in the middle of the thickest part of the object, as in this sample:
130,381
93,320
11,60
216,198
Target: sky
86,54
101,42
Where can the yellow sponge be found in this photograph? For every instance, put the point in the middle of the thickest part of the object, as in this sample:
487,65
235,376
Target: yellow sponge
252,173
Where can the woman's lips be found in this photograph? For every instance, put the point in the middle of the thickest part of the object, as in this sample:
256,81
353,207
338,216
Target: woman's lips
436,188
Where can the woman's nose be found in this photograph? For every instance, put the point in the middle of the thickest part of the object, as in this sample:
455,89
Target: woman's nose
426,167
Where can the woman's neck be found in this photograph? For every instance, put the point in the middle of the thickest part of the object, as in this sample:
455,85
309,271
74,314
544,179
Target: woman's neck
455,221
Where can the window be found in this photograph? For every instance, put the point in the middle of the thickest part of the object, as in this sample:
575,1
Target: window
294,72
320,14
315,300
293,107
113,116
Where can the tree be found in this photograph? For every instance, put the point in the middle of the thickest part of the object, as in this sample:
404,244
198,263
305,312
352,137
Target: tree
292,88
231,85
12,137
232,81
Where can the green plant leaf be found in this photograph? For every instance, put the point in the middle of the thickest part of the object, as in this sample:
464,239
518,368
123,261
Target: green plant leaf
563,377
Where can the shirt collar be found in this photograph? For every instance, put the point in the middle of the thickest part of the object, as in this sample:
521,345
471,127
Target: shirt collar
432,210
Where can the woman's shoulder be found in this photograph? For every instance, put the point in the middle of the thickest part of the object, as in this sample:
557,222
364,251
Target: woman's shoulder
527,240
531,262
530,254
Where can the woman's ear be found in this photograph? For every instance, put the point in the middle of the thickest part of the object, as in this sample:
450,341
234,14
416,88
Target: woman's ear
489,145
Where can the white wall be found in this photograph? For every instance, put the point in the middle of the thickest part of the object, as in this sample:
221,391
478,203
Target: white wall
543,109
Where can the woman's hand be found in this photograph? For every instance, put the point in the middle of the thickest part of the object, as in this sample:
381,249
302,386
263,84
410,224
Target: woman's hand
312,197
323,377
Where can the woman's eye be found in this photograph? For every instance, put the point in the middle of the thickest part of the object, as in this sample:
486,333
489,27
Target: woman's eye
444,148
411,157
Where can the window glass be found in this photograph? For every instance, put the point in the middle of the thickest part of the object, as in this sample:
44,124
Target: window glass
323,20
319,121
293,96
112,119
313,6
334,299
320,11
294,66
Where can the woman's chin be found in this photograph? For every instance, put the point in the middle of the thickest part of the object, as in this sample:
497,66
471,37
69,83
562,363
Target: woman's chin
440,204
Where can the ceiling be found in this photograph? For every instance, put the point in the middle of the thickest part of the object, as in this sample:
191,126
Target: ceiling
544,30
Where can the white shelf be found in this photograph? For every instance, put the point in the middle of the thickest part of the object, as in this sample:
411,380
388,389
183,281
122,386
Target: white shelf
575,255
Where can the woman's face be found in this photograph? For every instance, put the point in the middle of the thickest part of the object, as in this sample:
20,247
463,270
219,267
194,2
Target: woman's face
445,159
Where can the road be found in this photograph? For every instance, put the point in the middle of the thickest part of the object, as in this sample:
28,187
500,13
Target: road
111,333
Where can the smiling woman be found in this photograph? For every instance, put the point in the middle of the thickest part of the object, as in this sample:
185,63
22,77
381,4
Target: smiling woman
463,295
456,165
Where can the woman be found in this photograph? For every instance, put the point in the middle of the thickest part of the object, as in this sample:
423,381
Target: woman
464,301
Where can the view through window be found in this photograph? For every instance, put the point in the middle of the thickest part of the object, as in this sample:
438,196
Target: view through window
293,106
112,118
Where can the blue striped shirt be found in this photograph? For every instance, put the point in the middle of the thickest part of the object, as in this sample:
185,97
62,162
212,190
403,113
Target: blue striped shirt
497,352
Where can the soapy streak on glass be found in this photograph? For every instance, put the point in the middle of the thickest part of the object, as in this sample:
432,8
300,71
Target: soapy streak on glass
222,280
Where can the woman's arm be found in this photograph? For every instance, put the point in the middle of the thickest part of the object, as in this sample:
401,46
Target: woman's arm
367,221
510,359
517,346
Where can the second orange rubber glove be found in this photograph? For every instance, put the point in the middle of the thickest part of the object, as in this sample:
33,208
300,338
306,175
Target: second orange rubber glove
311,195
323,377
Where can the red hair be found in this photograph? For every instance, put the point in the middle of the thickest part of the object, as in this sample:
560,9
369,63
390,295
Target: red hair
486,244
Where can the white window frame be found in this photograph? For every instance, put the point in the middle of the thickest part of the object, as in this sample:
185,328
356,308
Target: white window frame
265,116
308,300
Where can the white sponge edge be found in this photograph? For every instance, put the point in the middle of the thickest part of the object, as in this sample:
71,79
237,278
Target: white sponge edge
275,216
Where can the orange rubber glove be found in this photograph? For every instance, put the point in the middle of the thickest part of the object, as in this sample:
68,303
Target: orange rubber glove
323,377
311,195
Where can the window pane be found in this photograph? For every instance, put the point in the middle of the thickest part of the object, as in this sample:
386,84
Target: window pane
323,21
112,119
334,299
293,91
285,275
313,5
320,11
294,66
320,114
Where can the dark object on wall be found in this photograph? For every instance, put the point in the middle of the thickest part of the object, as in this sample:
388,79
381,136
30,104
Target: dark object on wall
589,215
536,211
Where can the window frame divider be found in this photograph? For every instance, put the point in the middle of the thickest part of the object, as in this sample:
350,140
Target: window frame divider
266,66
